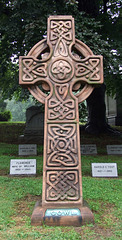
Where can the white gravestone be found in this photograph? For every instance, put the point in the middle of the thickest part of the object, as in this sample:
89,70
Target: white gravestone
23,167
104,170
88,149
114,149
27,149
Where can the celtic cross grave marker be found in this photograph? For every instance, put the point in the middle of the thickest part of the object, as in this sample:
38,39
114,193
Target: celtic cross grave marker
61,64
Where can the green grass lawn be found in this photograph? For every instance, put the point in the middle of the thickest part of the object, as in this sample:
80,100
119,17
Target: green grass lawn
19,194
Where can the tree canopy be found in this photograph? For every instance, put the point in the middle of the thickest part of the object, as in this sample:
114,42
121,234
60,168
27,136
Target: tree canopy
24,22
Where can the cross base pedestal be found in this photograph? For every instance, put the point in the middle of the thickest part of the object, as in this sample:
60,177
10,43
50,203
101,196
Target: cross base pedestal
62,216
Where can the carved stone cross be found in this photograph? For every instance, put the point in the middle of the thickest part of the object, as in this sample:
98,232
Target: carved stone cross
61,64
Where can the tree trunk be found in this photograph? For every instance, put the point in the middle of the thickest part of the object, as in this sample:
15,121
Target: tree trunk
96,110
97,122
96,101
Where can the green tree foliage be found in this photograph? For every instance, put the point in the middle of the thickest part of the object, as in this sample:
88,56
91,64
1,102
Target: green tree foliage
5,116
18,109
2,104
111,20
24,22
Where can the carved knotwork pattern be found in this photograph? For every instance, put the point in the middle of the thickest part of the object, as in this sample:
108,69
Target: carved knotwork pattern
61,70
61,106
62,149
32,68
88,69
62,185
60,36
61,29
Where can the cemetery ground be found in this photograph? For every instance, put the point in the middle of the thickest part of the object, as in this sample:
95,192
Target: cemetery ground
19,195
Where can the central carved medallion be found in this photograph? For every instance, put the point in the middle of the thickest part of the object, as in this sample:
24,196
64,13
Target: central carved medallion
61,70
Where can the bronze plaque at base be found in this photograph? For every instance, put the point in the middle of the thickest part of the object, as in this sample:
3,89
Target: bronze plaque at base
62,216
66,69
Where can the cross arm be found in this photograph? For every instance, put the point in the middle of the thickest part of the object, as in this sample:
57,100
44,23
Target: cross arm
31,70
90,69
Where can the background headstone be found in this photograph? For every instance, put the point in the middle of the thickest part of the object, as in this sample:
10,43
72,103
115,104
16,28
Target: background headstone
27,149
88,149
104,170
114,149
111,110
23,167
34,130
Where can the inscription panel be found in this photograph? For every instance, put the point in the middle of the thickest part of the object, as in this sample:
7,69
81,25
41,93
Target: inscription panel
88,149
27,149
104,170
62,212
114,149
22,166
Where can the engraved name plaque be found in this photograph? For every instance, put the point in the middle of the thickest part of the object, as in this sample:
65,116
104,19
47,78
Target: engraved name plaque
88,149
23,167
62,212
27,149
104,170
114,149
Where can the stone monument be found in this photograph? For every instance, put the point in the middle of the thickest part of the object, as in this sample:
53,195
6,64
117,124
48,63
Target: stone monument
61,64
34,130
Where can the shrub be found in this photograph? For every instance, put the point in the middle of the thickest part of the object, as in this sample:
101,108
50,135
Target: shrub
5,116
